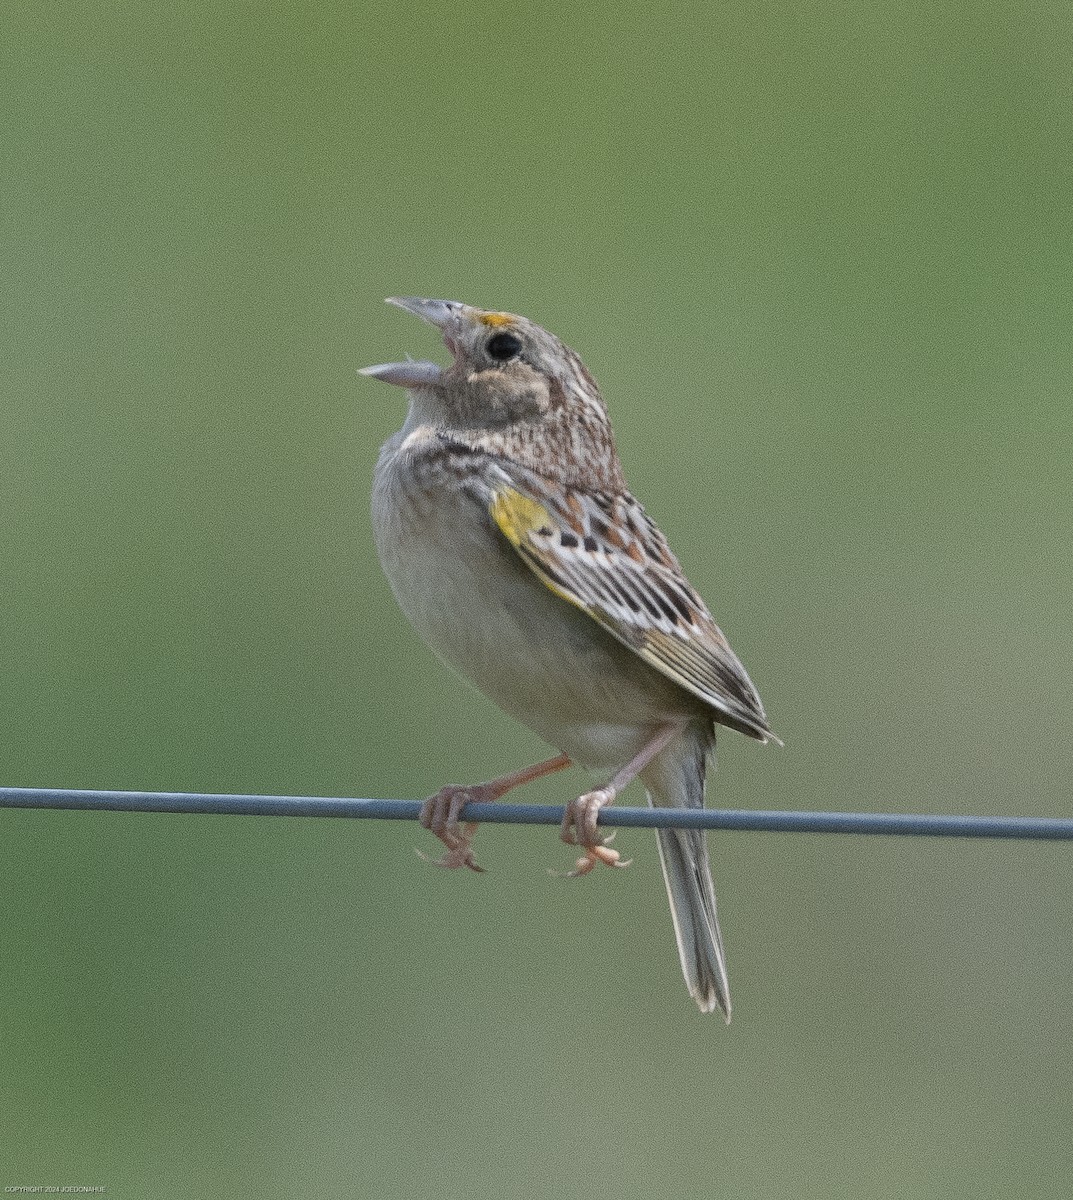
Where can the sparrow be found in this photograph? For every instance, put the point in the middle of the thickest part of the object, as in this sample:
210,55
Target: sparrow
505,528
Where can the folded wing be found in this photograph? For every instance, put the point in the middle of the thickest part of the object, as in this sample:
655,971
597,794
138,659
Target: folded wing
602,554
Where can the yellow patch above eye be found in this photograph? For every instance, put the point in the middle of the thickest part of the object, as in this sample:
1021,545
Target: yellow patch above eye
496,320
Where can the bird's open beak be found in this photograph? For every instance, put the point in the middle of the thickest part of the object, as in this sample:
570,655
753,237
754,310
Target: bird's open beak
441,313
406,374
436,312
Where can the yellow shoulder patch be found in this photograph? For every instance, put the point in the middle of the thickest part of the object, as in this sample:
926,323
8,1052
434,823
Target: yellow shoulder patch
518,515
496,320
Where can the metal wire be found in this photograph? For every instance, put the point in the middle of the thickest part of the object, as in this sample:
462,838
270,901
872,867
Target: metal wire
769,821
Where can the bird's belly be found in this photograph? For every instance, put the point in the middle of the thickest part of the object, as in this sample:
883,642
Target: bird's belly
482,610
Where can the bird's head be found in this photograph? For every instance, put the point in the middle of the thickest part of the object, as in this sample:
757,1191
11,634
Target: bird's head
505,369
510,379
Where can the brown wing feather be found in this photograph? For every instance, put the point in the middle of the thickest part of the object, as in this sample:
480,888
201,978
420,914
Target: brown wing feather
605,556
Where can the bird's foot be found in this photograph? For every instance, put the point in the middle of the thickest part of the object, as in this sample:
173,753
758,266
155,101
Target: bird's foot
579,829
441,815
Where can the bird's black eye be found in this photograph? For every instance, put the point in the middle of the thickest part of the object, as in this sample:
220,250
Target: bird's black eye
504,346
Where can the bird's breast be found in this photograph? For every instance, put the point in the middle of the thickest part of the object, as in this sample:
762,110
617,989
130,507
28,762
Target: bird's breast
487,615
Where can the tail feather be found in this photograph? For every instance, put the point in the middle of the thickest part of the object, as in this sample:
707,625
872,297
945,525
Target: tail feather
684,856
687,874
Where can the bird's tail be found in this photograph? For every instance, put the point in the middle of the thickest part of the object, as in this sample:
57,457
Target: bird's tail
687,874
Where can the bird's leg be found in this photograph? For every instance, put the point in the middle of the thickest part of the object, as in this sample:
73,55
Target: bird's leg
441,813
579,820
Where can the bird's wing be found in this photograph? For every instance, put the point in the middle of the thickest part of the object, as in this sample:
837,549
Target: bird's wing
602,554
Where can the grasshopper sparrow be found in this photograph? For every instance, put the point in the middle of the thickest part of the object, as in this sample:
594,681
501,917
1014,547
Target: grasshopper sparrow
507,533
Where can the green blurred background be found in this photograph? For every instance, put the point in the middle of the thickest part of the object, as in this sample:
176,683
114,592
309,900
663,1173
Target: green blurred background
819,257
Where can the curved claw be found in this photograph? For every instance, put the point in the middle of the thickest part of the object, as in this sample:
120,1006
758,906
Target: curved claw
459,856
593,854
